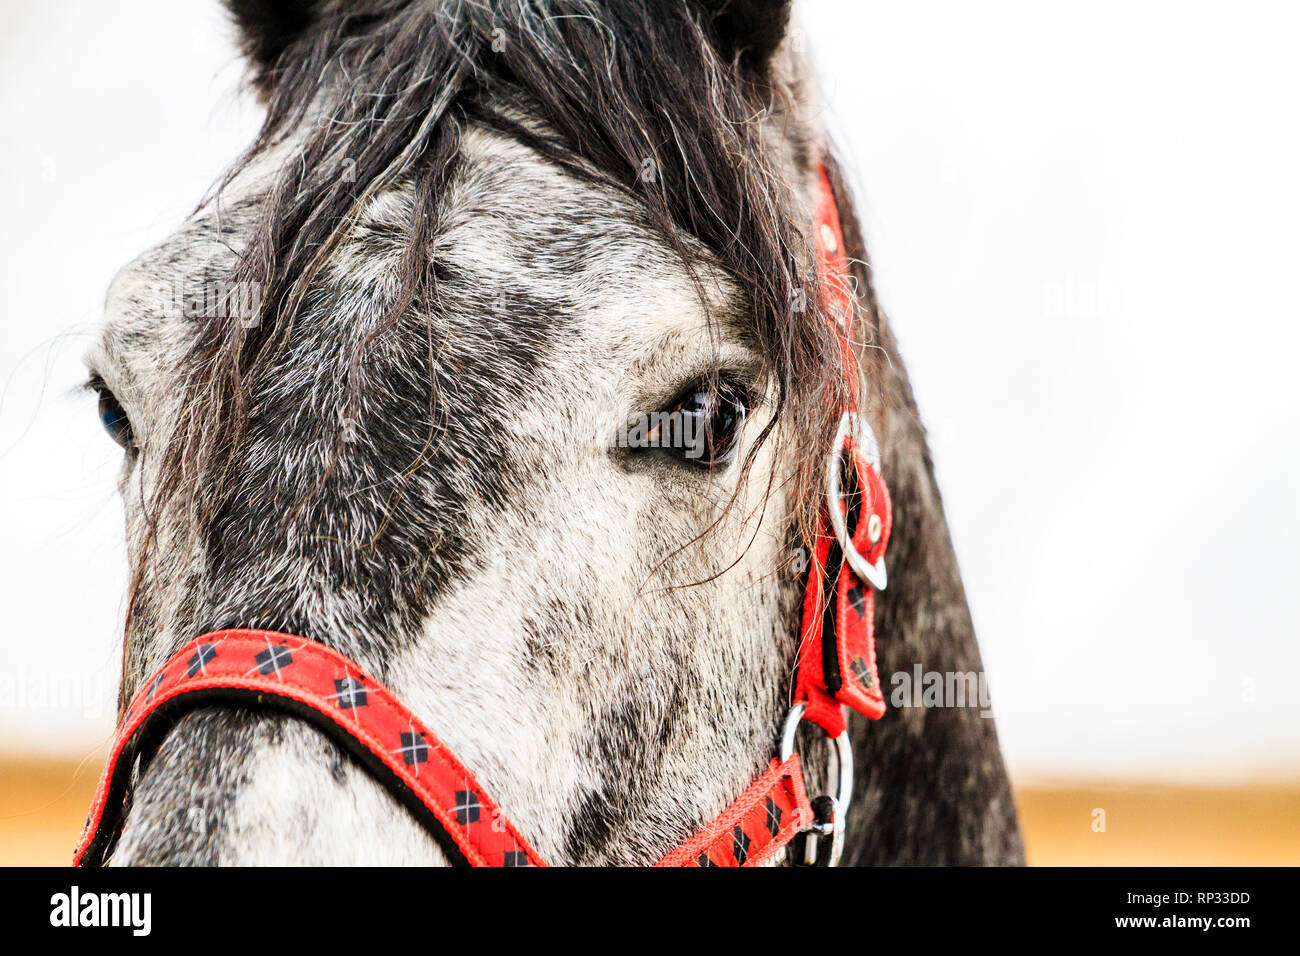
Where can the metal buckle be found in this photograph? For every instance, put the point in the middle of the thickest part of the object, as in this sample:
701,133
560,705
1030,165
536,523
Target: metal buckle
851,423
843,791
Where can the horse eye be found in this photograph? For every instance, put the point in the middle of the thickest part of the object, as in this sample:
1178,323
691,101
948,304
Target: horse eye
113,417
703,428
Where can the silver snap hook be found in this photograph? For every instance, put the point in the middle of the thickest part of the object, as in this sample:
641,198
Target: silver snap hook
843,789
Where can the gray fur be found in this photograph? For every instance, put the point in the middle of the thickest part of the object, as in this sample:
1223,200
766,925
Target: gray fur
551,607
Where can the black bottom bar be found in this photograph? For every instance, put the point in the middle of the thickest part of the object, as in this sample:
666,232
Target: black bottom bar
869,908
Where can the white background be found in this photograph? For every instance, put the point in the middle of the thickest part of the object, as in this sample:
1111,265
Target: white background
1085,224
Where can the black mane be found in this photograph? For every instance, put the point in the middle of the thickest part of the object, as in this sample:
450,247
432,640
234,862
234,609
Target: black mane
641,95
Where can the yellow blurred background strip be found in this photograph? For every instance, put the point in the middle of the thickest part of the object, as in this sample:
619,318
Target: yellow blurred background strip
43,805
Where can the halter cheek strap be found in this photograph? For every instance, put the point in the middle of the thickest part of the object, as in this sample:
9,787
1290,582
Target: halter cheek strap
836,668
837,660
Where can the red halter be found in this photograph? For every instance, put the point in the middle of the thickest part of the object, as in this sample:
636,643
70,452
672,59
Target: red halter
836,667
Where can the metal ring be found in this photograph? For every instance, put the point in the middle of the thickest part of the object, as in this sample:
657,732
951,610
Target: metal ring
844,770
792,720
865,439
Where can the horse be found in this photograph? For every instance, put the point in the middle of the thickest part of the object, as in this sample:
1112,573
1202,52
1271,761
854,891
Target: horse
472,240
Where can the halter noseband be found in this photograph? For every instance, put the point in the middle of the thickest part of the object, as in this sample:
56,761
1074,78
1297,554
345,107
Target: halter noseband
836,668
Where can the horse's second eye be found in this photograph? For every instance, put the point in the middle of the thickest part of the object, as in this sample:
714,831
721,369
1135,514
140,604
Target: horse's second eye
114,419
704,428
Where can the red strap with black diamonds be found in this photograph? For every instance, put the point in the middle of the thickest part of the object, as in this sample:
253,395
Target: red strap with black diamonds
312,681
268,669
837,652
750,832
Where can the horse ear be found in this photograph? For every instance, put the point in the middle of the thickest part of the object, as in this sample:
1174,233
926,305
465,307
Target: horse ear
266,29
750,30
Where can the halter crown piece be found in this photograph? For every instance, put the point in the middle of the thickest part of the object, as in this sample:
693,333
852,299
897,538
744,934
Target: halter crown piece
836,668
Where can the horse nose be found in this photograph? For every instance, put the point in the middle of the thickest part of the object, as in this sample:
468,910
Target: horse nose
232,786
